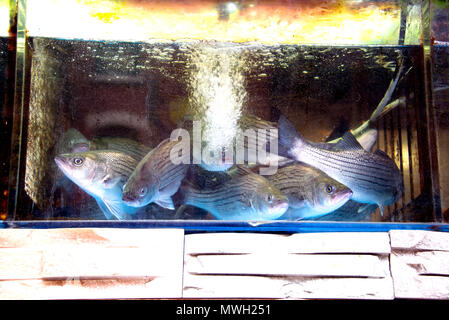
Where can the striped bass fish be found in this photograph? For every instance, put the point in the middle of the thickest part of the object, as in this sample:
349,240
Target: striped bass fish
310,192
155,179
242,195
372,177
102,175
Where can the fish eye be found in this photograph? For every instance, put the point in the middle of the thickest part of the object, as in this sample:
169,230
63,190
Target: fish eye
142,191
270,198
330,189
78,161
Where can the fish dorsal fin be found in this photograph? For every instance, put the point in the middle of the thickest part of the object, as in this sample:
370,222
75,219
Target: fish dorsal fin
163,142
288,136
348,142
338,130
239,170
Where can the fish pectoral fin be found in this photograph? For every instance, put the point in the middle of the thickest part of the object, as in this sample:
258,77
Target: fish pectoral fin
118,209
107,213
381,210
366,206
108,181
296,202
170,189
165,202
248,201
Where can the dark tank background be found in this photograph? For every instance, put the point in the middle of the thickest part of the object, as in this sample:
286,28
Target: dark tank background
141,91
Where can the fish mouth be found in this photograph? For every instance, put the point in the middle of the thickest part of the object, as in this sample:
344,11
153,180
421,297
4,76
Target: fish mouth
130,200
335,203
348,193
61,162
342,198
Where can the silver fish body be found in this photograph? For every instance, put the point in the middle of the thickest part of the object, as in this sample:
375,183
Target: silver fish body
310,192
372,177
244,196
102,174
155,179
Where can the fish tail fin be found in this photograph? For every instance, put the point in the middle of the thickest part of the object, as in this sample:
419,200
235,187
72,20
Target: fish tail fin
379,111
289,137
398,102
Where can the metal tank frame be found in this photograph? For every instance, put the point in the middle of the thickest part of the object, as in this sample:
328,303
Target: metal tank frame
16,178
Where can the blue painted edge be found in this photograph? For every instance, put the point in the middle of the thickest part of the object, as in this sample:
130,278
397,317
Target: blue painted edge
230,226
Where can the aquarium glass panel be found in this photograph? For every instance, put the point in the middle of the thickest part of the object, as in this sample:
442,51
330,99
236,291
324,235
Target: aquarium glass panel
229,111
440,33
7,54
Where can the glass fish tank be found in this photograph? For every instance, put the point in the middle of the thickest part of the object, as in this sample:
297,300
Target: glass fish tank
228,114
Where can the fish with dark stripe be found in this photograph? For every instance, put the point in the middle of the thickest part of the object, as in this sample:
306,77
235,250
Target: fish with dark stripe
311,193
102,174
241,195
372,177
155,179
